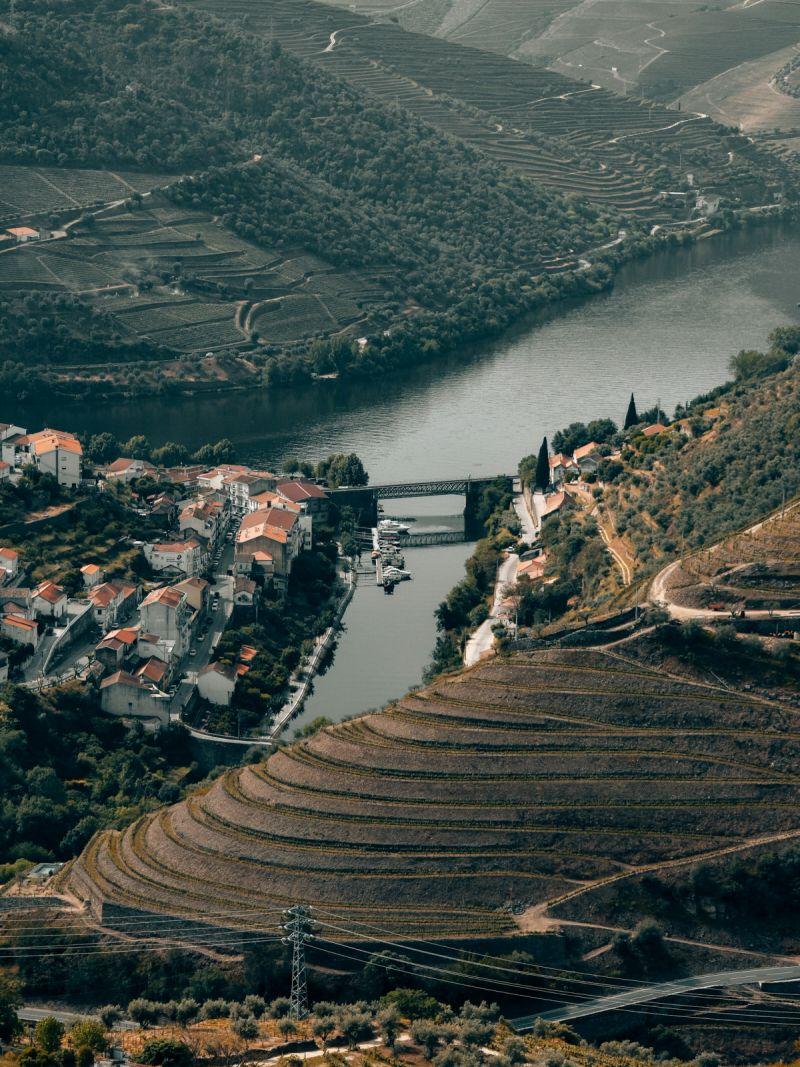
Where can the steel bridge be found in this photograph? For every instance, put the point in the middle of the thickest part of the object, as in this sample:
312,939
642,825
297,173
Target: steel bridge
441,487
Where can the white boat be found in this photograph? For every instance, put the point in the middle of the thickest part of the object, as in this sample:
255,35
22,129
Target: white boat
391,526
396,575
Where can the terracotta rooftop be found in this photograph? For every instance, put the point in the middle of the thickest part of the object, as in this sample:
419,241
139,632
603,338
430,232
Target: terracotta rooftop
299,490
50,592
164,595
585,450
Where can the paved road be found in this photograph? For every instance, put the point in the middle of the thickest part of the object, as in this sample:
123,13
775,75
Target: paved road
660,594
482,640
645,994
529,532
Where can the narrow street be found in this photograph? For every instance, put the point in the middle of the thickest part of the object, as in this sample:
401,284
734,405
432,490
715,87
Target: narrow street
482,640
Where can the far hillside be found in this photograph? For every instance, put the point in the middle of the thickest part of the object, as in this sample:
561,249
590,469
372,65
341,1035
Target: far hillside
733,61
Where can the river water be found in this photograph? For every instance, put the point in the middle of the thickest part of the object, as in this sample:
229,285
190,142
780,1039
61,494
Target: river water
665,332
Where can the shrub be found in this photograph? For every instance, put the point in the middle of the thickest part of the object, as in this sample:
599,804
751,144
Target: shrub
166,1053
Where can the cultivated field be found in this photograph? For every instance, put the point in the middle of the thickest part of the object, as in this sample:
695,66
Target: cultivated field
464,805
222,286
34,191
748,96
758,571
569,135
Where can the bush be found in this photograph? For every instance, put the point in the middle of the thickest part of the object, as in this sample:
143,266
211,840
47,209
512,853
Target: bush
279,1008
166,1053
246,1027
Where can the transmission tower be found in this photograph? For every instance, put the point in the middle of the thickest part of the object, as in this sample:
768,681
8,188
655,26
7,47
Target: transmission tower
298,928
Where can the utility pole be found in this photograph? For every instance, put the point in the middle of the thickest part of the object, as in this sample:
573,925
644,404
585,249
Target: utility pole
298,927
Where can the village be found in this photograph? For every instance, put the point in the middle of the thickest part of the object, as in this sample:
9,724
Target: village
227,534
220,539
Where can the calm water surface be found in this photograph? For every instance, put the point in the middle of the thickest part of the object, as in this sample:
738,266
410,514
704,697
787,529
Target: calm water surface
665,332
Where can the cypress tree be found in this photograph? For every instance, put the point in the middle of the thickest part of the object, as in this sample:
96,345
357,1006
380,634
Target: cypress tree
632,416
542,479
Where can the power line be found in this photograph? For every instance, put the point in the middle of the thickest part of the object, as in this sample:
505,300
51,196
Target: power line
595,978
682,1017
544,993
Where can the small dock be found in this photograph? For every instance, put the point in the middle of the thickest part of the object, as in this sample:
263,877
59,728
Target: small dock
436,537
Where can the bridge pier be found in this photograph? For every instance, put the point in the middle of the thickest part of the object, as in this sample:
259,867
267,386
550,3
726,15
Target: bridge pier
364,499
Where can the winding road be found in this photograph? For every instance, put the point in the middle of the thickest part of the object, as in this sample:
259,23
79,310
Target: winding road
646,994
660,594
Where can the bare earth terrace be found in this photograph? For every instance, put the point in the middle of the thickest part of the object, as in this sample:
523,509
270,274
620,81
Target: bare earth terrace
464,805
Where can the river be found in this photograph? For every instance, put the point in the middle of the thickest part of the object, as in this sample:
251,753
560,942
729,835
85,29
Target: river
665,332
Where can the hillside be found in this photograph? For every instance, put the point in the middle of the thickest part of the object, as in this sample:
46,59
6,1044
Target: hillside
510,188
465,808
722,58
561,131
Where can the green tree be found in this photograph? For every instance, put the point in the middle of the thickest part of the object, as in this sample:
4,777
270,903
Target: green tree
88,1033
10,1000
48,1034
542,476
631,415
341,469
137,447
163,1052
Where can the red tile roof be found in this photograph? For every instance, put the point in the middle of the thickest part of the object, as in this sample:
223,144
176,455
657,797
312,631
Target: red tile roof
50,592
299,490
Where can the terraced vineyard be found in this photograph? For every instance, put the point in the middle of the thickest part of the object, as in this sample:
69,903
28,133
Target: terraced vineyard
463,805
569,135
30,191
290,293
758,571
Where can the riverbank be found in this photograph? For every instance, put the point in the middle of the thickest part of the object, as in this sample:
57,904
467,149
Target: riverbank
464,327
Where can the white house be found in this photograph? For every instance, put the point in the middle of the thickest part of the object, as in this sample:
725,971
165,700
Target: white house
92,575
587,457
216,683
110,601
203,518
23,234
54,452
131,697
275,534
167,614
20,630
560,465
9,563
5,471
240,487
177,557
125,470
49,601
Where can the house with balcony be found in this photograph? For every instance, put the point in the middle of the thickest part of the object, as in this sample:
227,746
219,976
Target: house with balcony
204,519
167,614
177,557
240,487
111,602
268,542
51,451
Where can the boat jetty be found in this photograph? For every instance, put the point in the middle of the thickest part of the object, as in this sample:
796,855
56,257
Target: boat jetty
387,554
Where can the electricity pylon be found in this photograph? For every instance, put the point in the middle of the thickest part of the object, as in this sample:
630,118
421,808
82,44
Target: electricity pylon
298,928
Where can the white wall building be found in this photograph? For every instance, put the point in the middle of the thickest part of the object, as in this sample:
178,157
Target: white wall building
177,557
167,614
130,697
